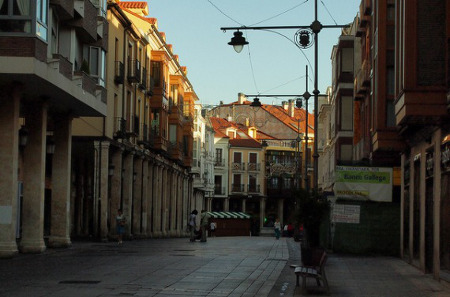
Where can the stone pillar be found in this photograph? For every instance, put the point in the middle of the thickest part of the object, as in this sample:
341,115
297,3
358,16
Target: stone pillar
9,129
137,196
127,191
145,197
173,203
180,209
157,201
185,201
34,181
244,205
281,211
226,206
150,198
103,196
164,203
61,173
115,201
262,212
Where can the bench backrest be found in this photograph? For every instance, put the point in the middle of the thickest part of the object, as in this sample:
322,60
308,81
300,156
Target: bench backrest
323,260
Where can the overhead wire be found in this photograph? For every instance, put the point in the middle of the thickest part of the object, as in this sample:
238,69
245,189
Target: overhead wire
249,52
328,12
281,13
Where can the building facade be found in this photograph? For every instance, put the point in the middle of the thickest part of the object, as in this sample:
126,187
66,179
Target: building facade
421,102
43,88
100,117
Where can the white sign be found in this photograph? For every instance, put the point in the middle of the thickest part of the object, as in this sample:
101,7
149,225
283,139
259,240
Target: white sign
346,214
363,183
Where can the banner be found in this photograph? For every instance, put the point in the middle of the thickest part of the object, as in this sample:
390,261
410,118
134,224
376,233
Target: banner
363,183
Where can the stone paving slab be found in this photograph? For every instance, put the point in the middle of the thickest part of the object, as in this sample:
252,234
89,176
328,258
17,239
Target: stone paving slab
224,266
233,266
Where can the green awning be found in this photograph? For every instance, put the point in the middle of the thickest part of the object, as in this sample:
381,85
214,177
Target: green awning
228,215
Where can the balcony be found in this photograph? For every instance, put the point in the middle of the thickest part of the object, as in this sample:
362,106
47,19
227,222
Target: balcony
65,8
120,125
143,83
237,166
158,140
219,162
219,190
119,72
254,188
134,71
362,80
85,20
253,167
174,150
144,138
237,188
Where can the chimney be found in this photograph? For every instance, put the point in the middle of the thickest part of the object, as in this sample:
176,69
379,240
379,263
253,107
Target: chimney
241,98
291,108
229,118
247,122
284,104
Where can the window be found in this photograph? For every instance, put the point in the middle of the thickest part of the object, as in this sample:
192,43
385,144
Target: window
390,113
41,17
54,34
173,134
97,64
218,155
15,15
156,73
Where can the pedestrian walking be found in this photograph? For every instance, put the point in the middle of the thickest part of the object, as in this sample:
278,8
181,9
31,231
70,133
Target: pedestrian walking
204,223
277,227
120,225
212,228
192,224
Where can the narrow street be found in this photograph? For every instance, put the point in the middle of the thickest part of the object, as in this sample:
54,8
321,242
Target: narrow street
223,266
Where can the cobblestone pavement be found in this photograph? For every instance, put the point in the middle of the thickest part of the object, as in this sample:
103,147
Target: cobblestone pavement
223,266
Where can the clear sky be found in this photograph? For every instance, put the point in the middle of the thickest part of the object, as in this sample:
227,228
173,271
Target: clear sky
272,64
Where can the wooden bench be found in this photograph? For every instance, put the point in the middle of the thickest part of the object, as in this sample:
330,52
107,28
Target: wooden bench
317,272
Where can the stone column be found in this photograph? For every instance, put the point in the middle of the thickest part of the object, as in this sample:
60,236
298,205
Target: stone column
61,172
281,211
157,201
150,199
185,201
164,202
137,196
127,191
103,201
9,130
34,181
173,207
181,227
115,201
244,205
262,212
226,206
145,197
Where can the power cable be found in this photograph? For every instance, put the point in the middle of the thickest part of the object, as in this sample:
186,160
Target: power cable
281,13
328,12
227,16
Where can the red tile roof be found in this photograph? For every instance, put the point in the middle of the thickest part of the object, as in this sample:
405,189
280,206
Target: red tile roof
133,4
245,143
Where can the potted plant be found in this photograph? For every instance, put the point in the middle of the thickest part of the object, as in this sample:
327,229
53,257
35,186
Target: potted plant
311,209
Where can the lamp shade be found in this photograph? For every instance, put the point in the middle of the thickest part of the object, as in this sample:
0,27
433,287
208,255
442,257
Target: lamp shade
238,41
